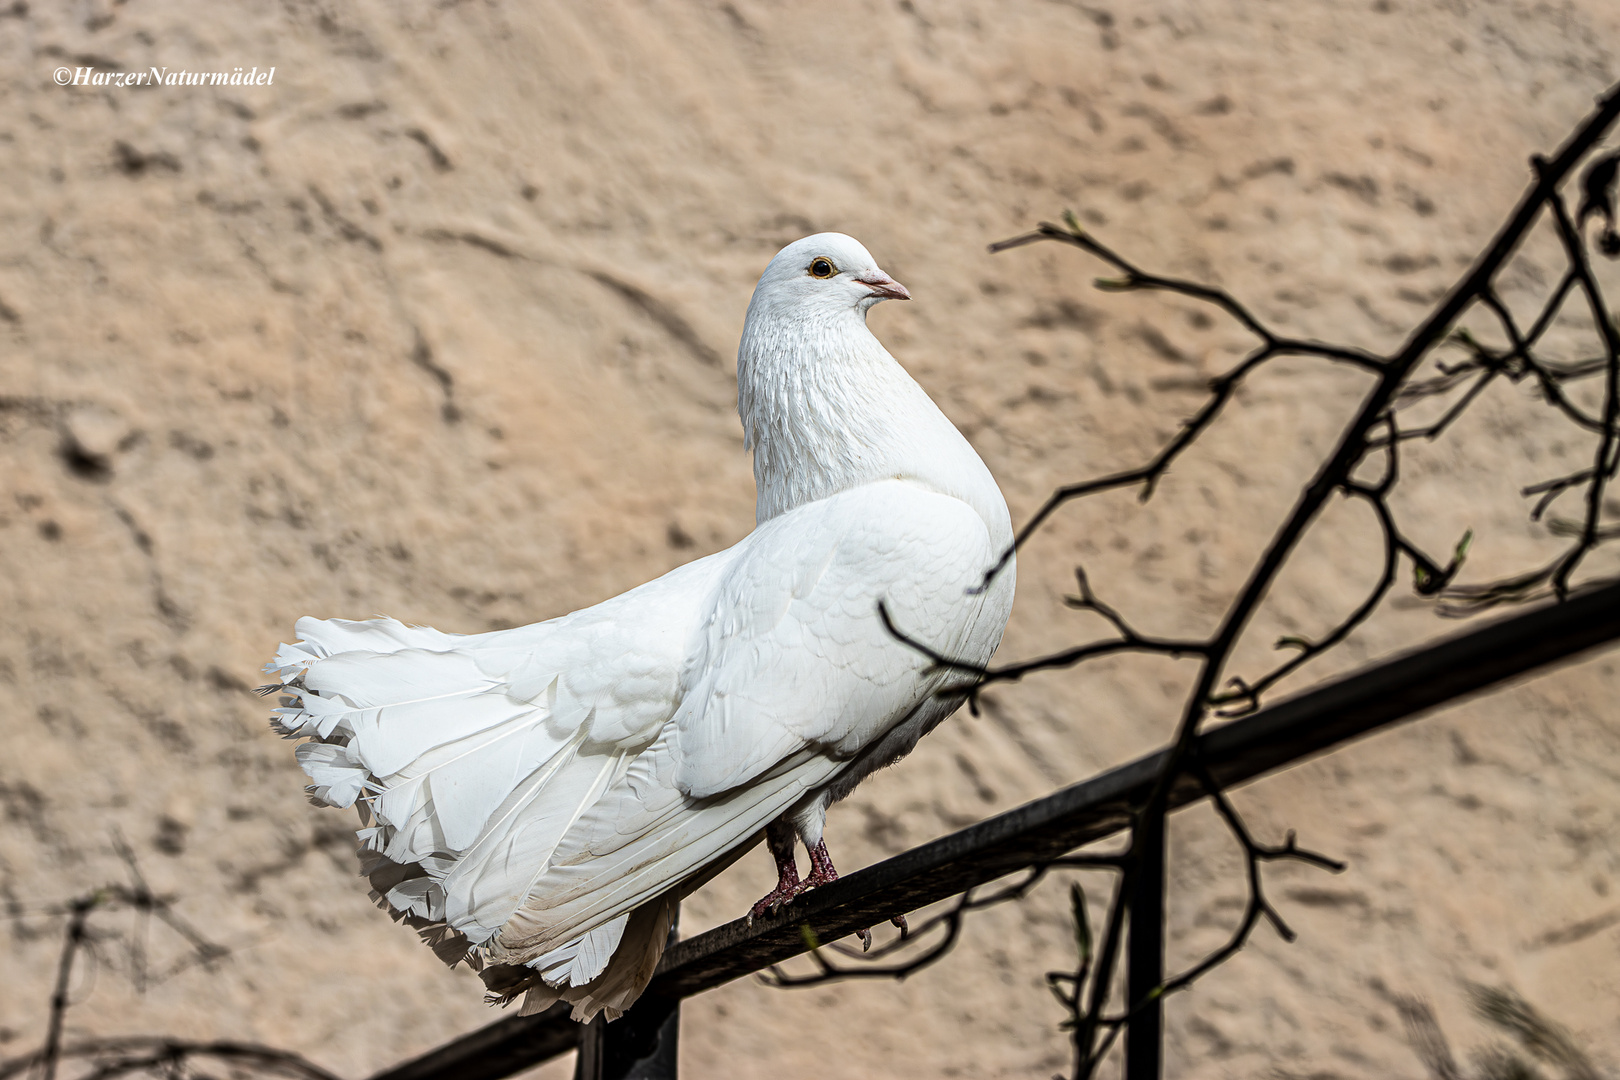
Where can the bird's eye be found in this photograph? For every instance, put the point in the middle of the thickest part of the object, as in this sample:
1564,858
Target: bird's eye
822,268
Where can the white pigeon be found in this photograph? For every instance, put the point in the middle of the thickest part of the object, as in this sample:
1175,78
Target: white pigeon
538,800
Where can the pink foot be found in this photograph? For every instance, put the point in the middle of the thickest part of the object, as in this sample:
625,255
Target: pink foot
779,838
787,887
821,869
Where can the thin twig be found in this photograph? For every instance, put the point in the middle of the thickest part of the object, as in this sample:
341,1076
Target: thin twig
1602,467
123,1056
79,915
1221,388
139,898
950,920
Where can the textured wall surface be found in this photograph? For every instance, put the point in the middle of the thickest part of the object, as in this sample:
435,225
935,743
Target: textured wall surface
441,325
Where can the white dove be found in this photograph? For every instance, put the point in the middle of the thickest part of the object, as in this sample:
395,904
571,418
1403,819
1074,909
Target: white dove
538,800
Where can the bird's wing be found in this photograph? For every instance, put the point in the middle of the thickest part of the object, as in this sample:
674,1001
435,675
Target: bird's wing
794,673
475,754
795,653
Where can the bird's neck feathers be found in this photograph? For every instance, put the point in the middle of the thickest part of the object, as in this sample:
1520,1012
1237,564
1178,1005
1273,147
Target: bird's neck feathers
825,408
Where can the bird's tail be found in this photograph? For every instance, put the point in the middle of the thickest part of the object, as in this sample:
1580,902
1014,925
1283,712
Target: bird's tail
445,753
494,821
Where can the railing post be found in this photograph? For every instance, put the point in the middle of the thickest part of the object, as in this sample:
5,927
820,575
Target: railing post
1144,1038
640,1045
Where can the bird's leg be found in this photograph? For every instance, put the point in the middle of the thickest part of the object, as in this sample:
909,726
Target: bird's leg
779,838
821,868
823,873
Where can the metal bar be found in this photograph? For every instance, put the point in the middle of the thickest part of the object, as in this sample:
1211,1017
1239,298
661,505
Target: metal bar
1070,817
504,1048
1144,1036
642,1044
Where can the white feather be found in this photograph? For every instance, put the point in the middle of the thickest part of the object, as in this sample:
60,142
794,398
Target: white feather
549,792
583,958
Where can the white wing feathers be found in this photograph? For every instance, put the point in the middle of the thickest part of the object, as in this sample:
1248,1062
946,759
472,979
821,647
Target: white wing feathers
534,788
801,656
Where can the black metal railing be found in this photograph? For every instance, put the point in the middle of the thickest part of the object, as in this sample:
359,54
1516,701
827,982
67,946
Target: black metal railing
641,1045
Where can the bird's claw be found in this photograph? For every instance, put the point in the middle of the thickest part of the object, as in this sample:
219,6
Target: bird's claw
866,934
789,887
771,901
814,880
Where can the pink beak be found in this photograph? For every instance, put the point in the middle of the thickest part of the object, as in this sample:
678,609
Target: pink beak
883,285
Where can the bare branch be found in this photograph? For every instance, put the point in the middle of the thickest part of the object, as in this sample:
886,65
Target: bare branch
159,1056
1602,467
1138,279
950,921
1221,388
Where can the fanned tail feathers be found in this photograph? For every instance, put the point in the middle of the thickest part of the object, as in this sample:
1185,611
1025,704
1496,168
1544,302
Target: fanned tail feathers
471,784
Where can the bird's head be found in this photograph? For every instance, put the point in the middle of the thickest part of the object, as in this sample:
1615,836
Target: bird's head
823,276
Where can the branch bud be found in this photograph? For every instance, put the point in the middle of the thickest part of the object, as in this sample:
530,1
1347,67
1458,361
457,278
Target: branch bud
1461,553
